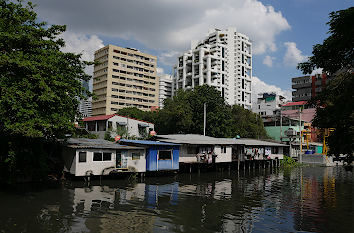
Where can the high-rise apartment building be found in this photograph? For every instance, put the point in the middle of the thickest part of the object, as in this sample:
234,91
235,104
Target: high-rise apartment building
222,59
124,77
308,86
165,88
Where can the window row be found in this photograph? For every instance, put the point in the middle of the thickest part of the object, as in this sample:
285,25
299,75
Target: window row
132,92
134,55
133,99
133,80
135,74
133,86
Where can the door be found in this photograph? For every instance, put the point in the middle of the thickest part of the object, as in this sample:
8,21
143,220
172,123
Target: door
118,159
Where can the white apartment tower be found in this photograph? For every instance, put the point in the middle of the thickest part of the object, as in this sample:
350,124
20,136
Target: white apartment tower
223,59
165,89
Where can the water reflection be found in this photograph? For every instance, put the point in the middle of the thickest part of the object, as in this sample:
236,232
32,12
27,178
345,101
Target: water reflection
306,199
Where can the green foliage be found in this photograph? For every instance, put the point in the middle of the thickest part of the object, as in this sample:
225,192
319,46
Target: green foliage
335,109
107,136
38,83
39,89
289,162
334,104
336,52
184,113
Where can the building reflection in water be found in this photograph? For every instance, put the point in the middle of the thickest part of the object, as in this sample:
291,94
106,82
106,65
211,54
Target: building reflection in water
304,199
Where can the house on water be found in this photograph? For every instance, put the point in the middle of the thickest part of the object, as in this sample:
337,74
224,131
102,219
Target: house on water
160,156
85,157
204,149
197,148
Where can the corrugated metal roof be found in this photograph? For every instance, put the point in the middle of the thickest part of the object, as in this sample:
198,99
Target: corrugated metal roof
147,142
95,143
197,139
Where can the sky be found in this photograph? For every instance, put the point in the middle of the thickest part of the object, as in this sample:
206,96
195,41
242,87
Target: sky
282,31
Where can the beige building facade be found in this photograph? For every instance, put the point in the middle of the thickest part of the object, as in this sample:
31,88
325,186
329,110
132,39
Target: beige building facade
124,77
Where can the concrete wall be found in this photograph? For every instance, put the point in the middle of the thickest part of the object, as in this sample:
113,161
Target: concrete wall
221,156
186,157
94,167
73,166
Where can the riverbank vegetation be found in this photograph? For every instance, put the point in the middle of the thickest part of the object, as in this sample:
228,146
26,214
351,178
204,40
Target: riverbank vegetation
39,90
334,105
184,113
288,162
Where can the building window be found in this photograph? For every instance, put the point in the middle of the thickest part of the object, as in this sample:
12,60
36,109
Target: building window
82,157
135,156
97,156
274,150
107,156
192,150
165,154
223,149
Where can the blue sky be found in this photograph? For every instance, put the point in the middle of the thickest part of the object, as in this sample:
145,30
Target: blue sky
283,31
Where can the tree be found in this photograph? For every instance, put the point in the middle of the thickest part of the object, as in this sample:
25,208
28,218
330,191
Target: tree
335,108
39,84
336,52
184,113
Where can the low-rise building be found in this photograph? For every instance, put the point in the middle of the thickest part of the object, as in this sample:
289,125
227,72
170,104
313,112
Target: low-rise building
160,156
118,125
86,157
268,104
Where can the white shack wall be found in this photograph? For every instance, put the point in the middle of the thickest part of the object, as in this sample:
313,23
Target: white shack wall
94,167
184,157
223,157
137,165
131,124
104,167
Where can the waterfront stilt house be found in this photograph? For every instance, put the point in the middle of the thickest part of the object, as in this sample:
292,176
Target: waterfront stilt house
160,156
85,157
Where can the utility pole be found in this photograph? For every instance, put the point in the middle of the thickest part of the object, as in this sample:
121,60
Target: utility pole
300,131
204,118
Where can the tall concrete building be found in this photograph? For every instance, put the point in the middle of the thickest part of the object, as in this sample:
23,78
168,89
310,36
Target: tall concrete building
308,86
222,59
165,89
124,77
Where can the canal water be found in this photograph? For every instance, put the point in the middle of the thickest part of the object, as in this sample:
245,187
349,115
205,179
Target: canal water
308,199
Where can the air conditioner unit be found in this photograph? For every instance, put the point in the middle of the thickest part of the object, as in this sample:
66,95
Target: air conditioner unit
290,132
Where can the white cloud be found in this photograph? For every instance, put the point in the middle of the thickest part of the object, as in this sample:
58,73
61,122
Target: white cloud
160,71
293,55
258,86
268,61
83,44
317,71
167,25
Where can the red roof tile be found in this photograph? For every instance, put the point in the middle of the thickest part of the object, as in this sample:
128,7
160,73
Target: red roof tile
295,103
98,118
